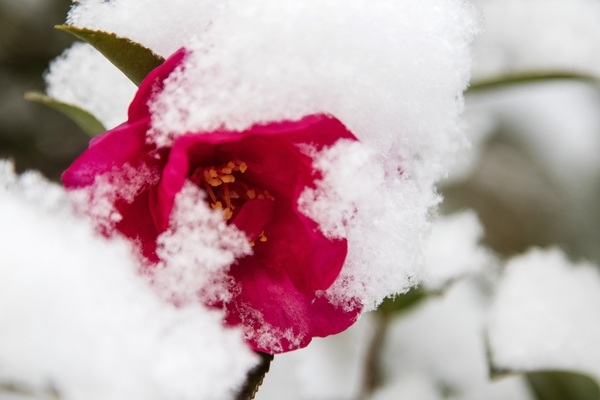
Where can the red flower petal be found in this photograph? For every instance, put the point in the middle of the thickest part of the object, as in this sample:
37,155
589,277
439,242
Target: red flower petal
253,217
269,301
122,145
152,84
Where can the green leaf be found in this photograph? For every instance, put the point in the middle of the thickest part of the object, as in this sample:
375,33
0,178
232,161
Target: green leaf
528,77
402,302
84,119
133,59
562,385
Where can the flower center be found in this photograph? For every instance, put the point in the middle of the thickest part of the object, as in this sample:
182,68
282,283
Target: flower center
227,191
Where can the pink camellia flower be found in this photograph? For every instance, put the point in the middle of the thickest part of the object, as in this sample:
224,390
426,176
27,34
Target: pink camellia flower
255,178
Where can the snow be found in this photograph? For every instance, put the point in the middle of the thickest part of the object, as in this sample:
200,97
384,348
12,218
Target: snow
454,250
330,368
77,317
81,76
442,341
545,314
196,251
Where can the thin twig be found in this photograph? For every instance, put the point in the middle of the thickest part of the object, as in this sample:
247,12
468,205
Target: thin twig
255,377
373,367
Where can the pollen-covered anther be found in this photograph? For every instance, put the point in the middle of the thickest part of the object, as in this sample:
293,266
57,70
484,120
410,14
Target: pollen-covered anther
227,178
211,176
228,213
265,195
226,191
262,238
241,166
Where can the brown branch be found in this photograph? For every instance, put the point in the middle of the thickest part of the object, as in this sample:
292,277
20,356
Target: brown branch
373,368
255,377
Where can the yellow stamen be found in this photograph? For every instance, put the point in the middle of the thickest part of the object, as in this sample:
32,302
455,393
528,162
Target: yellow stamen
227,178
211,176
229,168
227,196
262,237
210,192
226,190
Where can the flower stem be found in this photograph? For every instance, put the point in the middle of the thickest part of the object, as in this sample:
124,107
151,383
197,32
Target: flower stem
373,373
255,377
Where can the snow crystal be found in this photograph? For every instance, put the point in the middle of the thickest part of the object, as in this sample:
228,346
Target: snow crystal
81,76
545,314
454,250
78,320
557,35
197,250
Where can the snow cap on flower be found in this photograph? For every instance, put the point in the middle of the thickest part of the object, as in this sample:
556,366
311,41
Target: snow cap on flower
392,73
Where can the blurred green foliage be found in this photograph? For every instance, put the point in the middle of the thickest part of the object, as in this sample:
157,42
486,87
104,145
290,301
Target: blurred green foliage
31,134
562,385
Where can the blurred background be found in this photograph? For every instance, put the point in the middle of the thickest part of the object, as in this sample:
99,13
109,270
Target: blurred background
34,136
